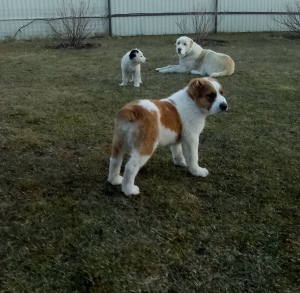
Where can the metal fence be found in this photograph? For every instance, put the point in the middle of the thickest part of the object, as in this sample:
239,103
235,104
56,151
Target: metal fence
28,19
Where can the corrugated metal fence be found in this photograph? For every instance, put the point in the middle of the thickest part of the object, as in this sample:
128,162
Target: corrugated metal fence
27,19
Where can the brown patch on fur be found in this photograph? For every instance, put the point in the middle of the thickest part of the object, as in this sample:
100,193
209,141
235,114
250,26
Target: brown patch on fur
169,116
202,92
145,132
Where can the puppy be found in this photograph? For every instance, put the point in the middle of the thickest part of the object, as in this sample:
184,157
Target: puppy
196,60
177,121
131,67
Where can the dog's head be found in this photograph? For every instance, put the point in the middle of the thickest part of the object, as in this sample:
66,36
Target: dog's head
137,56
183,45
207,93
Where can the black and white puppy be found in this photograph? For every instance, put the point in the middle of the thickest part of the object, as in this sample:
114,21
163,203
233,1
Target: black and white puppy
131,67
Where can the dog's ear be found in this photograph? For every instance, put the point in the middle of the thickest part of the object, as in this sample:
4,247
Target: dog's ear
194,87
191,44
196,83
133,53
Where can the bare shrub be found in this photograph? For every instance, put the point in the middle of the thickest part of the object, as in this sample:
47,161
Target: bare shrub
199,23
74,24
290,21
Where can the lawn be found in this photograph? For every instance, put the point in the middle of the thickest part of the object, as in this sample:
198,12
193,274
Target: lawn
64,228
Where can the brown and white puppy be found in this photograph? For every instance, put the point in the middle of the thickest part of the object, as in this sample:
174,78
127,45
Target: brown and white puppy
177,122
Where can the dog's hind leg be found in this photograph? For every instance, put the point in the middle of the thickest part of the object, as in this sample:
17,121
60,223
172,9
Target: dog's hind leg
178,158
125,78
131,169
116,161
217,74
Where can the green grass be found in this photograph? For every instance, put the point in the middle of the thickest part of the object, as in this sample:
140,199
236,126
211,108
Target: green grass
64,228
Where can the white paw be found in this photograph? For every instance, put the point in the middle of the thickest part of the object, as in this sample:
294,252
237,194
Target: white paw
158,69
122,84
133,190
116,180
137,85
202,172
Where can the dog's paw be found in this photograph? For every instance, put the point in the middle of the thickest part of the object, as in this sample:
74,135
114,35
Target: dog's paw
116,180
137,85
132,190
158,69
180,162
122,84
196,72
202,172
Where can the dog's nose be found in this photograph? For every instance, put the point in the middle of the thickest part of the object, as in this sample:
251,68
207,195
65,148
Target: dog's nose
179,50
223,107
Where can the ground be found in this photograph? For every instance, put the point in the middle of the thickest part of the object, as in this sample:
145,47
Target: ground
64,228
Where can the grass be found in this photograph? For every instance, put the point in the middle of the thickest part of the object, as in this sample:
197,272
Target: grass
64,228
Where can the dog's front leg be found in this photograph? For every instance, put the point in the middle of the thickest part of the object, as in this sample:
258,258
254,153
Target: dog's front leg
190,152
173,68
137,80
198,72
178,158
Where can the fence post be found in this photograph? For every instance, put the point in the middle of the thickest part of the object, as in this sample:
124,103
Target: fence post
109,18
216,16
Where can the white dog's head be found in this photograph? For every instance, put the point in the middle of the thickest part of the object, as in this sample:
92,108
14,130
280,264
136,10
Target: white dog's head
137,56
207,93
184,45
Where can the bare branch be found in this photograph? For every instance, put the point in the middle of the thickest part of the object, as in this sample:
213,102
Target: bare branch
290,20
199,23
74,23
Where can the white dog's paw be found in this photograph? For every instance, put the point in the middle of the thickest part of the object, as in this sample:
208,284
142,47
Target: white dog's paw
116,180
196,72
122,84
202,172
132,190
158,69
180,161
137,85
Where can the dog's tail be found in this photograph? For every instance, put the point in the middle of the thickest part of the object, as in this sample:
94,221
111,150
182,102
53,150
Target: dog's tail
124,121
129,113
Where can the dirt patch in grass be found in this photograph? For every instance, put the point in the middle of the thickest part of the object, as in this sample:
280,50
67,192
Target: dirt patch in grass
64,228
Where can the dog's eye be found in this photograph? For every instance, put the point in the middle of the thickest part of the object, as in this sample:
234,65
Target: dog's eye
222,93
211,96
184,44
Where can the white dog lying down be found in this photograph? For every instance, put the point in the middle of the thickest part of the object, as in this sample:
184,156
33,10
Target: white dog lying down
177,121
193,58
131,68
